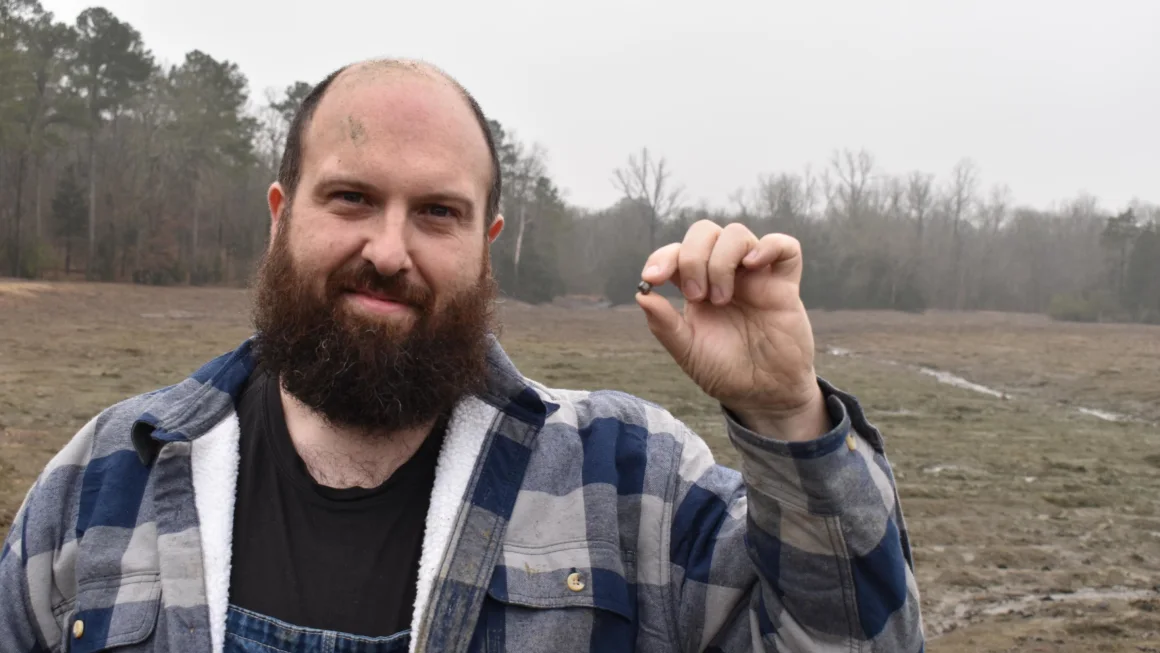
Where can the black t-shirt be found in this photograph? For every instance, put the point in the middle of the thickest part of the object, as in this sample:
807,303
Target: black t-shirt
345,560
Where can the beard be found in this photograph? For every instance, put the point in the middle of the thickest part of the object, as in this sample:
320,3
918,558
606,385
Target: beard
361,373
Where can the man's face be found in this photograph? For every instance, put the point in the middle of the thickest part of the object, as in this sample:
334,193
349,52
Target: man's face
374,301
395,174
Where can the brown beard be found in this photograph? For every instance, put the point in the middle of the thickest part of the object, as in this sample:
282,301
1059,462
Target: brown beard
367,374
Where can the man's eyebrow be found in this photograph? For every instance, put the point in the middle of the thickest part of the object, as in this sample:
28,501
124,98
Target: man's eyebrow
344,181
447,197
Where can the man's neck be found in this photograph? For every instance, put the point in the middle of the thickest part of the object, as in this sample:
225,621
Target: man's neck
339,457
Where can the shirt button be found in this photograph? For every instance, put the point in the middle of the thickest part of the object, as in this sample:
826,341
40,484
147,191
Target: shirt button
78,629
575,582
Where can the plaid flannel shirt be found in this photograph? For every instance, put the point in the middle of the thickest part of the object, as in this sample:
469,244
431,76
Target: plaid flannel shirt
589,522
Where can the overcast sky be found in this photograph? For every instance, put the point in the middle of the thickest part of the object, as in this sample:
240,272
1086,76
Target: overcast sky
1051,97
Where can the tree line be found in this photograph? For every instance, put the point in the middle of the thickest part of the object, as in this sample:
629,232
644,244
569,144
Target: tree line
116,167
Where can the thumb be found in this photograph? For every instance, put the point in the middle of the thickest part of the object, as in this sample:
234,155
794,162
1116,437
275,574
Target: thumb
667,325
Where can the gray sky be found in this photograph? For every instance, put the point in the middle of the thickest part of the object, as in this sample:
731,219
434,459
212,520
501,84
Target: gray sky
1052,97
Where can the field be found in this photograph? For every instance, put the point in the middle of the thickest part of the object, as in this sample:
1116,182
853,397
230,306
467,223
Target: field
1027,452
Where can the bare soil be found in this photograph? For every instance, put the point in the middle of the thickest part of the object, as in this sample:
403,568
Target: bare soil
1036,526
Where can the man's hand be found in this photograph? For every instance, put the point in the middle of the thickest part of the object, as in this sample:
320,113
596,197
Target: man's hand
744,338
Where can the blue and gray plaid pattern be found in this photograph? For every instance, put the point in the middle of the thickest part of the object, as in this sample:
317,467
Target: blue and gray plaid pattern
593,522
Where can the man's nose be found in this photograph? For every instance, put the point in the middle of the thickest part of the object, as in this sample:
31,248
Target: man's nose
387,247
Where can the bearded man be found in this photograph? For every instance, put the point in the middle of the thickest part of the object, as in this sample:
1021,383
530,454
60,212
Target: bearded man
371,473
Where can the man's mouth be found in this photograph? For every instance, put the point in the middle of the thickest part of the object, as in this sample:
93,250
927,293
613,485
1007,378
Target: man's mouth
378,302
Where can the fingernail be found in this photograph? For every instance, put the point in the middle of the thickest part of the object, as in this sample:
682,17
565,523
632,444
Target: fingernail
750,257
718,295
692,290
651,270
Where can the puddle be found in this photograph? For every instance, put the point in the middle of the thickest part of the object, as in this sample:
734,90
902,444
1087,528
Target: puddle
1087,594
938,469
960,469
171,315
1107,416
959,608
901,412
959,382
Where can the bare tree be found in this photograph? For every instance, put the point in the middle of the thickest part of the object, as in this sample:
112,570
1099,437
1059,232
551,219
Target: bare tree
782,201
273,127
849,193
647,181
919,204
919,200
524,174
962,196
739,198
892,197
995,212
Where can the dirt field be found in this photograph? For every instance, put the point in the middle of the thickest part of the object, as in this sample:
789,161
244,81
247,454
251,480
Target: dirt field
1030,481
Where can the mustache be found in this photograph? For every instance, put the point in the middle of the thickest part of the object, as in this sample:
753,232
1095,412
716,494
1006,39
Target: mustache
364,278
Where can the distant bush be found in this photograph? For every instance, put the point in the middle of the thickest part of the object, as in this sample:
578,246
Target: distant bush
37,257
1071,308
909,298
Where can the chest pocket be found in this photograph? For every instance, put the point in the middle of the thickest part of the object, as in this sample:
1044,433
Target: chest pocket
113,614
559,599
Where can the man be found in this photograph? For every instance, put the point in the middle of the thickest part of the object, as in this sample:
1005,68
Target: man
371,473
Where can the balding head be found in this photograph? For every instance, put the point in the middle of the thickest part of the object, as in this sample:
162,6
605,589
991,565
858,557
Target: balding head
373,69
371,72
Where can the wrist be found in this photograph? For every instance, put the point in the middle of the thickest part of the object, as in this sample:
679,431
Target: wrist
810,421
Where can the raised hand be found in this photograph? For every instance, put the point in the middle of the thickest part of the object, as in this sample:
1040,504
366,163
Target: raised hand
744,337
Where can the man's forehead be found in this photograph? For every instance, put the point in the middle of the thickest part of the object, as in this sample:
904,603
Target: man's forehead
400,102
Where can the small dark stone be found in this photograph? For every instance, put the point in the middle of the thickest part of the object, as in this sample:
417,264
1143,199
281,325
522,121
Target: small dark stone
644,287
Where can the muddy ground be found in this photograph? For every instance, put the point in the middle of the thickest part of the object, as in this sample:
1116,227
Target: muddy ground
1027,451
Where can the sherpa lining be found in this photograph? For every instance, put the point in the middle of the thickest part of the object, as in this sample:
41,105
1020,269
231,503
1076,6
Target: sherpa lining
468,427
214,457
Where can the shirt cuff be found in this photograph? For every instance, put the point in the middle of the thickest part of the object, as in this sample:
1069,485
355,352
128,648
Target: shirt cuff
817,474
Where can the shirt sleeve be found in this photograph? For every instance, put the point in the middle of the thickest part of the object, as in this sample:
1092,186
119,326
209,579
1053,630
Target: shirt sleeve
805,551
35,561
18,630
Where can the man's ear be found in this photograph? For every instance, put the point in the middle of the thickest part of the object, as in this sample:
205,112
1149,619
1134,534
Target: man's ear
278,201
495,228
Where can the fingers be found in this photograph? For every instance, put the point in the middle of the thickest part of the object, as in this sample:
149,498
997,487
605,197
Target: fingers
732,245
782,251
693,259
705,265
668,326
661,266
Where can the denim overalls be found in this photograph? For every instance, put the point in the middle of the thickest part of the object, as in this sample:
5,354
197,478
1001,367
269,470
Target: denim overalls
249,632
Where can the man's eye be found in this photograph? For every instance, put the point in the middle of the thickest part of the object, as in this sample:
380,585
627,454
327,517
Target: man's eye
350,196
440,211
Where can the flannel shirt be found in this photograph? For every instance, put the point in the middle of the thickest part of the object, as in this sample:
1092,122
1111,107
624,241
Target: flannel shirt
561,521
